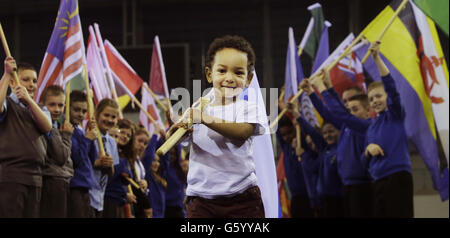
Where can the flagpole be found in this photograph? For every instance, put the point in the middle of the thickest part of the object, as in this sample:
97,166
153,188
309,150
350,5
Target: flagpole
8,53
108,69
145,111
154,96
175,137
91,109
299,142
318,75
399,9
67,113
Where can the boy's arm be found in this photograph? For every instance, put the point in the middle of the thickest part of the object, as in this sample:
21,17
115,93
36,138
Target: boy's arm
59,147
231,130
10,66
395,106
315,135
318,104
149,153
341,114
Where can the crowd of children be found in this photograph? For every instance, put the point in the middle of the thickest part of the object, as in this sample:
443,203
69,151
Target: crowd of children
353,166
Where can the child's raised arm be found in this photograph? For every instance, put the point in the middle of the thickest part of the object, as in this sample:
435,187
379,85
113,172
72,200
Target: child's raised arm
10,67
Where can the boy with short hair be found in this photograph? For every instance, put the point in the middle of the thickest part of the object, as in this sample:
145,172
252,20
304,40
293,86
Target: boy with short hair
387,148
22,122
58,169
83,150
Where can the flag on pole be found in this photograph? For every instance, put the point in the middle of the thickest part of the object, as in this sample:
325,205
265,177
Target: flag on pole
64,57
436,10
158,81
96,70
285,206
400,50
313,32
294,71
324,48
127,81
349,71
263,153
148,102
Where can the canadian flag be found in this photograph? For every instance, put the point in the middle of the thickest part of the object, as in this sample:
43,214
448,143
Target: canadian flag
158,81
148,103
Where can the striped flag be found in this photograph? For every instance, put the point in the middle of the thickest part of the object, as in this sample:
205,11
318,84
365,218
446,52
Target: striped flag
158,81
311,38
402,49
64,57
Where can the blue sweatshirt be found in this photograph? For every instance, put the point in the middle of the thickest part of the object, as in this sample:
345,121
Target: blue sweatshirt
175,192
83,150
116,189
292,168
310,166
388,131
351,140
157,193
329,182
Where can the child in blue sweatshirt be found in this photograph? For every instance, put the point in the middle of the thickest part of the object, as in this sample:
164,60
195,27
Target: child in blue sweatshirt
387,151
329,185
353,119
83,151
300,204
156,170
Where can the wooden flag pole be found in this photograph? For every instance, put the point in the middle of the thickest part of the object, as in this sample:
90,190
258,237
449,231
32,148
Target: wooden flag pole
175,137
158,127
299,142
133,183
281,97
8,53
154,96
67,106
399,9
91,110
318,75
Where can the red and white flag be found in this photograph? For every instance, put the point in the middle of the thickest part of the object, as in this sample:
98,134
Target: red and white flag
148,103
158,81
126,80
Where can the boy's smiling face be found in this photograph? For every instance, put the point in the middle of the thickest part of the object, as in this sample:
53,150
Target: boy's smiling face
378,99
55,105
229,74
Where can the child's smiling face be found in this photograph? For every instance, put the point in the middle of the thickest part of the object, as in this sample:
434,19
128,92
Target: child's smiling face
229,74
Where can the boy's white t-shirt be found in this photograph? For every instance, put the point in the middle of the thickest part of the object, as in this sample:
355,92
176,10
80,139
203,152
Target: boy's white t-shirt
219,166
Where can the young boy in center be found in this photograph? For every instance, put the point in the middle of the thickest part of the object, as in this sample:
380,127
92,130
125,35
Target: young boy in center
387,149
58,169
23,126
221,178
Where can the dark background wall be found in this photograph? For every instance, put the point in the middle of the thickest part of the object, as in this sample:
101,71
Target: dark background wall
185,29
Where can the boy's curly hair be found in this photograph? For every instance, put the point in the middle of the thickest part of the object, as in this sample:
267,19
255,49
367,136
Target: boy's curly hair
234,42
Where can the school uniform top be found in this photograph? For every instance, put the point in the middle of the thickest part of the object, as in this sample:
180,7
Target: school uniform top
310,165
292,168
100,180
176,183
329,182
157,193
83,153
58,162
219,166
116,189
388,131
351,140
22,145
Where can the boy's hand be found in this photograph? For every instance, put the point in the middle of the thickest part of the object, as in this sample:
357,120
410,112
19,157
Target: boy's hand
10,66
293,108
67,127
22,94
306,86
176,126
373,150
374,49
131,198
106,161
91,131
143,184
